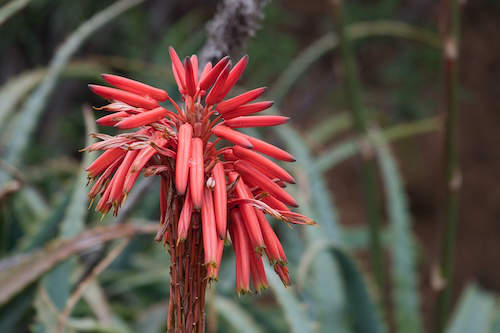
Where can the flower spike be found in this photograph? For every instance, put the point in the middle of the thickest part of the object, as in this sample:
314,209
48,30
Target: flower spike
216,182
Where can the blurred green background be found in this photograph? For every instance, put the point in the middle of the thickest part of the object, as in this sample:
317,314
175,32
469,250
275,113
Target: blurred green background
47,59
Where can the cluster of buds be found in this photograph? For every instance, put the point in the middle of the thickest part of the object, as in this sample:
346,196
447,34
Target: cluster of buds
228,188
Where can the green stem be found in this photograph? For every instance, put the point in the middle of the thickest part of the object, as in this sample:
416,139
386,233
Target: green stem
453,177
368,167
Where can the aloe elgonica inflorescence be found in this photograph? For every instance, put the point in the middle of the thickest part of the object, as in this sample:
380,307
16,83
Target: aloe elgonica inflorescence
207,192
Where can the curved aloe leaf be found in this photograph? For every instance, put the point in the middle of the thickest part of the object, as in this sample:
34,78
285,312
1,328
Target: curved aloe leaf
404,272
25,122
342,151
294,310
239,319
364,316
18,272
11,8
475,312
355,31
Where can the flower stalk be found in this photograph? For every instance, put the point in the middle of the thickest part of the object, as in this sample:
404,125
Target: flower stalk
361,124
452,170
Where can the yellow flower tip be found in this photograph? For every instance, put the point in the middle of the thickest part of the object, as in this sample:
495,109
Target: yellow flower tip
311,222
212,279
211,264
260,249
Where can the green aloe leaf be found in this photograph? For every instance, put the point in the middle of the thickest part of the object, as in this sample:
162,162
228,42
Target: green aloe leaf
19,271
236,316
475,312
404,273
23,125
356,31
364,316
9,9
295,311
349,148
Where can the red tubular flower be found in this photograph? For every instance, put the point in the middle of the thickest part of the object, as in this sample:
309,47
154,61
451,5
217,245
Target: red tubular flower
200,183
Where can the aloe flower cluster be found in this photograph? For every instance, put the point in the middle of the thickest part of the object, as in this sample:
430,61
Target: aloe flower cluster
213,177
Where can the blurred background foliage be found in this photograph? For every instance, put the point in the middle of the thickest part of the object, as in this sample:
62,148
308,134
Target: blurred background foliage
52,49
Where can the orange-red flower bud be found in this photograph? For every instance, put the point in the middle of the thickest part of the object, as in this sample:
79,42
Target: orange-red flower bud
265,163
209,78
196,173
185,218
255,121
123,96
257,177
135,87
220,199
239,100
143,118
182,159
231,135
210,239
